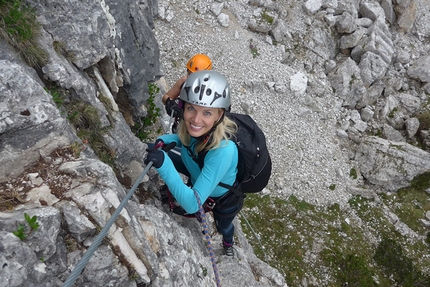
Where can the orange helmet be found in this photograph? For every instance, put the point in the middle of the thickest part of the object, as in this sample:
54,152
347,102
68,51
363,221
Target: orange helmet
199,62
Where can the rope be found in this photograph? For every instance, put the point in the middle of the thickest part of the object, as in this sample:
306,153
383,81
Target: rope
90,251
255,235
208,239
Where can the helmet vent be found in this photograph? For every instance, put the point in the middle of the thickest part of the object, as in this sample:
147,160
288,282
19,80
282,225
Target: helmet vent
206,89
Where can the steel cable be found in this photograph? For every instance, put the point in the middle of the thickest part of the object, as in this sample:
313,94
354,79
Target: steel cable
90,251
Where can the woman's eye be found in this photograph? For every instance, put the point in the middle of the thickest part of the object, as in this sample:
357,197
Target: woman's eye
207,114
190,108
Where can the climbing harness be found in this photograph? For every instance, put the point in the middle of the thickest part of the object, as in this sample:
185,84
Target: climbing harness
208,239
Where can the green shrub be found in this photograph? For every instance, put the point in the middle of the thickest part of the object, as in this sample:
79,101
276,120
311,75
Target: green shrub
32,223
269,19
153,110
145,127
20,231
353,173
57,96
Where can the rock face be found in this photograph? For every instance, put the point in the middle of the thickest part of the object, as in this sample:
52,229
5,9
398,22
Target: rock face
108,35
27,119
102,55
320,77
389,163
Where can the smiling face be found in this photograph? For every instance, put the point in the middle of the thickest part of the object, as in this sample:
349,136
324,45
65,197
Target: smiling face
199,120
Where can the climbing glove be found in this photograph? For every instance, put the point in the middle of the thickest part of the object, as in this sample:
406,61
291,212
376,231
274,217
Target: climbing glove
156,156
173,105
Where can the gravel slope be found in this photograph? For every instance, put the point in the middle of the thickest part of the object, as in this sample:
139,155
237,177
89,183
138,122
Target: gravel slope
308,157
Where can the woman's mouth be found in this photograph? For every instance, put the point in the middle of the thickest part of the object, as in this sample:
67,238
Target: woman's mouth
195,127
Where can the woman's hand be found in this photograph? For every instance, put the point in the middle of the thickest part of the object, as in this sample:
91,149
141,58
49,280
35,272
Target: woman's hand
156,156
173,105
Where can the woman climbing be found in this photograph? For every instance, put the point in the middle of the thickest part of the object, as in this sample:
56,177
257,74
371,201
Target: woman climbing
204,130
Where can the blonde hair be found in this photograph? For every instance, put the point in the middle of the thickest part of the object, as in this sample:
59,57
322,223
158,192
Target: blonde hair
224,131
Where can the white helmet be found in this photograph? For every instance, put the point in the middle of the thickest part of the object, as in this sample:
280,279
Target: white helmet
206,89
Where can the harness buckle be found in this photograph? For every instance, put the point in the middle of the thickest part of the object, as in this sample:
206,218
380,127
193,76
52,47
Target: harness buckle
209,204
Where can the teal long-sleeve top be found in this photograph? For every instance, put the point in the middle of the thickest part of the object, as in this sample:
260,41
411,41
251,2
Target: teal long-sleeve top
220,165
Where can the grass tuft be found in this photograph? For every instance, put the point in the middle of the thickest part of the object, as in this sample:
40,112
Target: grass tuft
19,27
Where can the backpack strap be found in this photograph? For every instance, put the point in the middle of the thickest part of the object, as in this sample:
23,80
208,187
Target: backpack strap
232,188
200,160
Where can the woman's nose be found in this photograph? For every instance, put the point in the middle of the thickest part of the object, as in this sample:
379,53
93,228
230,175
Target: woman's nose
197,117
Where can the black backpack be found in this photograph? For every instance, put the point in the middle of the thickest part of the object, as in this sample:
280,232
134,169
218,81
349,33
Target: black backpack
254,165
